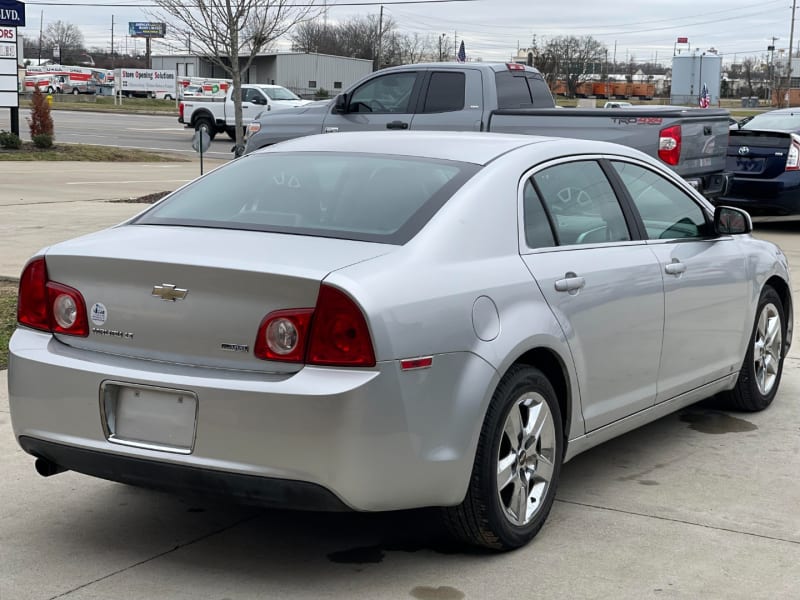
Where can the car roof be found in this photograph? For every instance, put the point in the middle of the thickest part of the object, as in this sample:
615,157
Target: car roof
471,147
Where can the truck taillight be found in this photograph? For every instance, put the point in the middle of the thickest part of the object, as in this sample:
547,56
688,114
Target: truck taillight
515,66
669,145
180,110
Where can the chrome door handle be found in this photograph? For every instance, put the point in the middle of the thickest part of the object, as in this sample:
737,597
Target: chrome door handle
676,267
571,283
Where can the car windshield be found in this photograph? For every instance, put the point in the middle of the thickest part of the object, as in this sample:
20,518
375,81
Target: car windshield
374,198
775,122
279,93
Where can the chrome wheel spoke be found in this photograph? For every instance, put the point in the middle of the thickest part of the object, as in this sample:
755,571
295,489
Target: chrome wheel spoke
544,469
521,500
505,471
773,330
513,428
767,348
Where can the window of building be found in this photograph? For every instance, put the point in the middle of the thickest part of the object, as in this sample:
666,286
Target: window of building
337,85
312,84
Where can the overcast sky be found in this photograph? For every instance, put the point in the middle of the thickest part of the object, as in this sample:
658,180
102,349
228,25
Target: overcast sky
493,29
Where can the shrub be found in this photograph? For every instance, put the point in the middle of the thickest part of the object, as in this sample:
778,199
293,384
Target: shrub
42,140
10,140
322,93
40,121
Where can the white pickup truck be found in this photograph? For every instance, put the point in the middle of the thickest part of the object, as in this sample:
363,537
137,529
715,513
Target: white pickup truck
216,114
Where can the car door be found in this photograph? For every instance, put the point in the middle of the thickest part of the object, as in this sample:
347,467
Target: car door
705,282
603,285
253,102
383,102
451,101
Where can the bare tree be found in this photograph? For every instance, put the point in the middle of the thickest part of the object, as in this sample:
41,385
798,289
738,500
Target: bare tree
231,33
569,58
748,70
68,38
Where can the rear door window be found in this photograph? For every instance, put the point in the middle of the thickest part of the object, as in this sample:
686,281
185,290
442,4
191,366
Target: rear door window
446,92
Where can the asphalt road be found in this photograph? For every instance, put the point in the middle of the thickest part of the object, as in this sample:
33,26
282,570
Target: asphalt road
159,133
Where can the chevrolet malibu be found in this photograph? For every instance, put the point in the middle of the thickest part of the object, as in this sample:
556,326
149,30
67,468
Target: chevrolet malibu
381,321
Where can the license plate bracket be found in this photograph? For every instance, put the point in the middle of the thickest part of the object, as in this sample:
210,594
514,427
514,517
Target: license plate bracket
149,417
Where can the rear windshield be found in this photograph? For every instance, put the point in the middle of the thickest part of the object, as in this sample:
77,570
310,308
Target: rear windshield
373,198
775,122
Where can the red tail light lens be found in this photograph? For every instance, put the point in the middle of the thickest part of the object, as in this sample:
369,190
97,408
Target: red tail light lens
334,333
669,145
50,306
180,110
32,299
283,334
339,332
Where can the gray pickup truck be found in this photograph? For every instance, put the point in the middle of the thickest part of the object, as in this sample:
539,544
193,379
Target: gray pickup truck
507,98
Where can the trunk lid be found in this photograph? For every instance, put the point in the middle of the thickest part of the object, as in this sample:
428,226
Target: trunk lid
225,282
758,154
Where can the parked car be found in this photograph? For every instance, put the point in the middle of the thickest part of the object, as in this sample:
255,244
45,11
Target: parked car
764,156
372,321
75,87
504,98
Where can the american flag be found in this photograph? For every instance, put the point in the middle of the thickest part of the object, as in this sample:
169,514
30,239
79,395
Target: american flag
704,97
462,54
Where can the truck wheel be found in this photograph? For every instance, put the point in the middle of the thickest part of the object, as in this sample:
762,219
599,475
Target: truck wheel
75,91
231,131
517,465
207,125
50,89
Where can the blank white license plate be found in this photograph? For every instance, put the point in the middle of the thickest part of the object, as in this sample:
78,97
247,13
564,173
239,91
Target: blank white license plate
149,417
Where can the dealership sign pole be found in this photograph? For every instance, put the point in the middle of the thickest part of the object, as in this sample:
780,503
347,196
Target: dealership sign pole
12,15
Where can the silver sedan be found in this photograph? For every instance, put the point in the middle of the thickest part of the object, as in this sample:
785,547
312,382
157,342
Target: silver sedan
379,321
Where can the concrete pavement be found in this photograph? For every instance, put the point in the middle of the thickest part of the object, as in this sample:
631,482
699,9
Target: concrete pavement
42,203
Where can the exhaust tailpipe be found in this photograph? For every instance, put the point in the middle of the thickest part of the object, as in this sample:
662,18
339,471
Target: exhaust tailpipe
46,468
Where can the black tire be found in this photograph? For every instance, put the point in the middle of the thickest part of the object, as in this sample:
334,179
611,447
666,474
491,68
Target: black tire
75,91
208,125
483,518
231,131
751,394
50,90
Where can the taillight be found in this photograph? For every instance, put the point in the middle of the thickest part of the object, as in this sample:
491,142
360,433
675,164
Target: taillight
334,333
32,299
515,66
669,145
283,334
339,332
793,158
180,110
253,128
48,305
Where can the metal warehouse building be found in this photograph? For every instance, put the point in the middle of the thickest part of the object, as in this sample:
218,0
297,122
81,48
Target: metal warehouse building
305,74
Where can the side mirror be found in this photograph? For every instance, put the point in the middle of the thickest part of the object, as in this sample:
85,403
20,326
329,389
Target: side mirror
340,103
260,100
730,221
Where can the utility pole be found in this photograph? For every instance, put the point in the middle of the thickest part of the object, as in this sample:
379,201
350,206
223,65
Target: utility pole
789,72
112,41
41,30
380,37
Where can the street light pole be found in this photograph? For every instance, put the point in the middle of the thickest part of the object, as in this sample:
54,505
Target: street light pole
789,72
700,83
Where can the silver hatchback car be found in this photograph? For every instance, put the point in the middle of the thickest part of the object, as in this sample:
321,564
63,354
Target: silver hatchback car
379,321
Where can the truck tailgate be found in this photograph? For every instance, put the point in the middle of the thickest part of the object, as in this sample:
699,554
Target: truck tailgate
704,132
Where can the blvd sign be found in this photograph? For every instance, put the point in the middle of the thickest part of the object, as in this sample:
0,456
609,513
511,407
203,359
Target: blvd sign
12,13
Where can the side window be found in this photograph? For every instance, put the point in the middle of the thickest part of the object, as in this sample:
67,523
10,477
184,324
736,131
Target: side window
252,95
537,228
386,94
581,203
445,92
667,212
512,92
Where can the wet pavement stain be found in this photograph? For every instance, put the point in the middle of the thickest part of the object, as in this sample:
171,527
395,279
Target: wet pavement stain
358,556
648,482
716,422
443,592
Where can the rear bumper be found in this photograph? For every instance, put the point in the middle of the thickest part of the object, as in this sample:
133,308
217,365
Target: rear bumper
764,197
711,186
374,439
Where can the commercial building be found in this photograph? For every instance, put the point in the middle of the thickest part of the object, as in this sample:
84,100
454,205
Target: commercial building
305,74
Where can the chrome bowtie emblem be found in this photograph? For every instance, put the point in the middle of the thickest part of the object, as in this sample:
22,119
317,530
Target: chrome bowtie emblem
169,292
743,150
